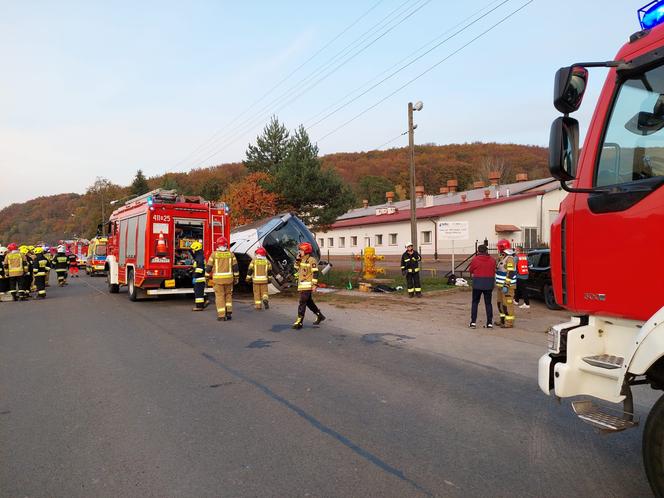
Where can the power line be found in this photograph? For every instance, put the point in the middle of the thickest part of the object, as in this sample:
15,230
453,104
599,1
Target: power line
280,82
249,123
394,73
429,69
391,140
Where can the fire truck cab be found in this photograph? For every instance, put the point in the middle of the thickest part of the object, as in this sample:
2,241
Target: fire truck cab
96,260
149,241
606,243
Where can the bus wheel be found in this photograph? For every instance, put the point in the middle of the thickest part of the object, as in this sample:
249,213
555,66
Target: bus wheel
653,447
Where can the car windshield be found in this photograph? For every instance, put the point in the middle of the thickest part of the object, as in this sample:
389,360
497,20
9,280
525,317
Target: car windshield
100,250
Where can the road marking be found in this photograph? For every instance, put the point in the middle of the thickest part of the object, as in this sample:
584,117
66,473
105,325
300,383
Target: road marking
367,455
93,287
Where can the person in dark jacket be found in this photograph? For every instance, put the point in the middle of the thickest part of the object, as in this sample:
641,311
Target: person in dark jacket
483,270
410,268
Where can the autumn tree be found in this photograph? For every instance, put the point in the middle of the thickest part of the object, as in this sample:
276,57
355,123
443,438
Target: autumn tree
140,184
270,150
249,200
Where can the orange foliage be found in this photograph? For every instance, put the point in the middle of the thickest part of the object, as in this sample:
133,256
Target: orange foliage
249,200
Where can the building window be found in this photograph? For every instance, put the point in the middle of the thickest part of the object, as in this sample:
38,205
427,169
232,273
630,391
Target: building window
426,237
378,239
330,242
367,241
321,242
342,241
530,237
393,239
353,241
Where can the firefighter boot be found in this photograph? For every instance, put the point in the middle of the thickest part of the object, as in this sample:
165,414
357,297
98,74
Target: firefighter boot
229,315
266,303
297,325
319,318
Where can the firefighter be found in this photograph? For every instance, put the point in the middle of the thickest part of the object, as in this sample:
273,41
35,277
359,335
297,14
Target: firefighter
521,291
307,279
505,283
4,280
410,268
49,256
26,281
73,265
13,264
60,265
223,270
199,276
259,272
40,266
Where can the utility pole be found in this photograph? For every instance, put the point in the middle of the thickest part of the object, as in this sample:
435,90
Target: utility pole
411,145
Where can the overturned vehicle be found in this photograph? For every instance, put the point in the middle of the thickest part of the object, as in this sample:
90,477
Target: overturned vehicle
279,235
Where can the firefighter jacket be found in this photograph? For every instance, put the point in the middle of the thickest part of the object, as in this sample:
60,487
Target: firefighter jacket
222,267
506,271
40,265
307,273
522,266
14,264
72,260
260,271
199,267
410,262
2,266
59,262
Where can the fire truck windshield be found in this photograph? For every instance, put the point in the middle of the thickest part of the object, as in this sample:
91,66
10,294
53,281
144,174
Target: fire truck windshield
633,146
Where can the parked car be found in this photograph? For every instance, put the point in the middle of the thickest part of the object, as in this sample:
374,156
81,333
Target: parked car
539,277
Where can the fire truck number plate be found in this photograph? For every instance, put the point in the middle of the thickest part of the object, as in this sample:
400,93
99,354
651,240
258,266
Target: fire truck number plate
169,284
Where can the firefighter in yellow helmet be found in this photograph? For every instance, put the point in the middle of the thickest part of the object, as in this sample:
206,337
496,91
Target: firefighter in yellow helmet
506,283
199,276
26,281
13,265
223,270
4,279
259,272
40,266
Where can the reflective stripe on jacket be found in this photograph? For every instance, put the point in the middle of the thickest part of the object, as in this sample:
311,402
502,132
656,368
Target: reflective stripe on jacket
410,262
223,267
505,272
259,271
14,264
307,273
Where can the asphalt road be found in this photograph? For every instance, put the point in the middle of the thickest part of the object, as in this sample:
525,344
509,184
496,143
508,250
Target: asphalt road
103,397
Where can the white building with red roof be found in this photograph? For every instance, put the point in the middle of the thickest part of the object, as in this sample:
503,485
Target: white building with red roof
521,212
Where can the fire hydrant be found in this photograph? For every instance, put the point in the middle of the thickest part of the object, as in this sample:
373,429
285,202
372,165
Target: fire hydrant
369,263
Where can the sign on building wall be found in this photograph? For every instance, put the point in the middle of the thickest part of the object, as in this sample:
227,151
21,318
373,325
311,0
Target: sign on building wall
454,230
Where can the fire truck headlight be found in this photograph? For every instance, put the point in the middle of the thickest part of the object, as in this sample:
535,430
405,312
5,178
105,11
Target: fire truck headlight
554,340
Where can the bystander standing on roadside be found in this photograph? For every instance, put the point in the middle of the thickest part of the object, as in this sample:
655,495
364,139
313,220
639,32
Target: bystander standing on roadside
521,278
483,270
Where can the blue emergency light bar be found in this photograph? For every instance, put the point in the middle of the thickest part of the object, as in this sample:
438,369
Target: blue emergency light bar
651,15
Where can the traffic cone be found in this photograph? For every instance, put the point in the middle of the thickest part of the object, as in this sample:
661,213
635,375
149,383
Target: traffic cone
162,250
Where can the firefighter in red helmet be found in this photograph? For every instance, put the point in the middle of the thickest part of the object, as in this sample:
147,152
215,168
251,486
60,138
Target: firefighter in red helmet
14,270
259,273
307,279
505,283
222,269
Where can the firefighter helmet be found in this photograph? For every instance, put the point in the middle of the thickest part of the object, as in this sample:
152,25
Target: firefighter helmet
61,248
196,246
23,249
261,251
12,247
409,244
503,244
306,248
38,250
222,241
3,250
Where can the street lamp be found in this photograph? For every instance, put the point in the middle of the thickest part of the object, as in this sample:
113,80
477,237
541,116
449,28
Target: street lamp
411,144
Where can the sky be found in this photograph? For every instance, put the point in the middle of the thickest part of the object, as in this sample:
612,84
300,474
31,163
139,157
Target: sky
102,89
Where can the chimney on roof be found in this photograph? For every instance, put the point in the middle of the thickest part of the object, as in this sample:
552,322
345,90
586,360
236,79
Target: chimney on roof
444,190
419,191
479,184
390,197
487,194
463,197
365,203
494,177
452,185
522,177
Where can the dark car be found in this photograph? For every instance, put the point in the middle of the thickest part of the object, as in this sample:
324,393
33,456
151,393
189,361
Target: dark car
539,277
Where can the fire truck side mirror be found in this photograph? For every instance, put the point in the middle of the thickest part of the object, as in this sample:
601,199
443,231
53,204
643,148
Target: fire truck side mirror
568,88
564,148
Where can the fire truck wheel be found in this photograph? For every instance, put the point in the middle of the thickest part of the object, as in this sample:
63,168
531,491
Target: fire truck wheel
112,288
653,447
132,291
550,298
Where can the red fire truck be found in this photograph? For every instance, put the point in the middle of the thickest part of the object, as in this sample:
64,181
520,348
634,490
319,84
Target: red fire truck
606,243
149,240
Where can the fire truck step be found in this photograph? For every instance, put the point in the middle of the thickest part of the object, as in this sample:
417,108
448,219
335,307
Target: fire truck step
605,361
592,414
